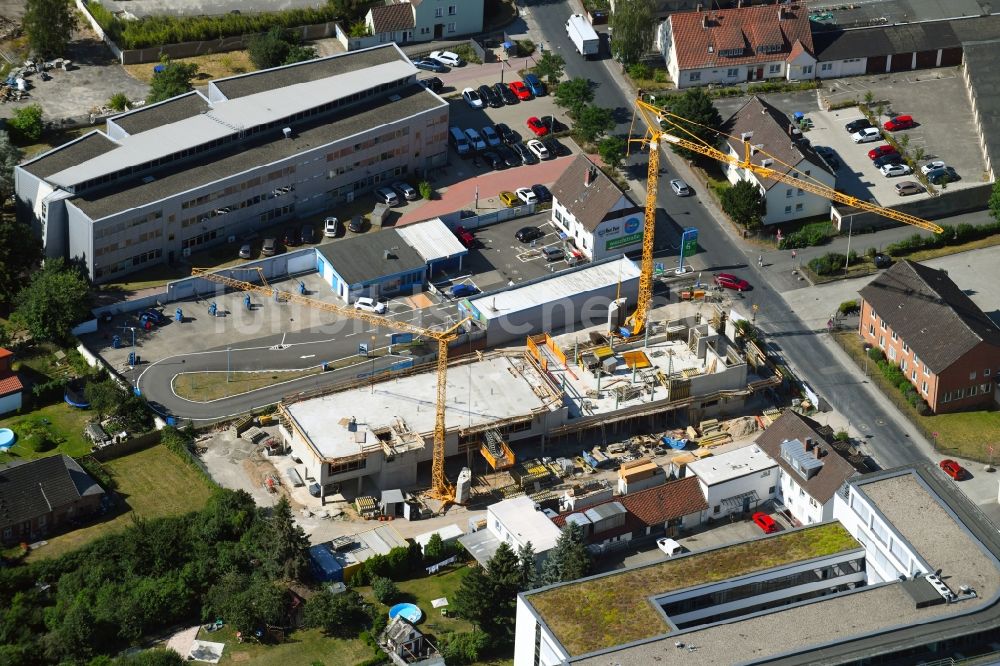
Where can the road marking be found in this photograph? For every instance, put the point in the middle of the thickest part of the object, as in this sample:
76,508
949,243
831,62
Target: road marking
308,356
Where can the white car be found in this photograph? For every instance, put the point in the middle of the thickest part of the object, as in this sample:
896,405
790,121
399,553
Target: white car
472,98
890,170
930,166
669,546
526,195
387,196
370,305
867,135
679,187
538,149
331,227
447,57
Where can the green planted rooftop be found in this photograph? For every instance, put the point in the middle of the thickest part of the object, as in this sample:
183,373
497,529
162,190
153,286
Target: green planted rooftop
614,609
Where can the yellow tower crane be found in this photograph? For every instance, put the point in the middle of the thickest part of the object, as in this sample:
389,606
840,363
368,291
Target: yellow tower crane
440,489
664,127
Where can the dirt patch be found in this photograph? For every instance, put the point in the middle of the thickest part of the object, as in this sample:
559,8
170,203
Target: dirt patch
240,656
210,66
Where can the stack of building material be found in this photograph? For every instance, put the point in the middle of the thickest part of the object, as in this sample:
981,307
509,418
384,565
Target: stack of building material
366,507
712,434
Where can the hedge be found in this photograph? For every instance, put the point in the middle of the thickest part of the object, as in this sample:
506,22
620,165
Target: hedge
159,30
816,233
897,378
831,262
957,235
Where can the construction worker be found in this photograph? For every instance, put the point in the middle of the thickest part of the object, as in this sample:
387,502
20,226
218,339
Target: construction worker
760,261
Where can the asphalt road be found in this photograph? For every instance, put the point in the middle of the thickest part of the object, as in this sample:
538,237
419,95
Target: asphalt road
801,347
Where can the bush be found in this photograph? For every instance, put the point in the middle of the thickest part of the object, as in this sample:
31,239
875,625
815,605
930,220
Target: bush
464,648
384,590
849,307
962,233
118,101
830,263
842,436
26,123
810,235
876,354
426,191
660,75
525,47
640,70
843,104
466,53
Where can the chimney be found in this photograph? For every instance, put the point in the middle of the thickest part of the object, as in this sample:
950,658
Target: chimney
818,452
809,443
781,13
698,7
590,176
739,4
704,21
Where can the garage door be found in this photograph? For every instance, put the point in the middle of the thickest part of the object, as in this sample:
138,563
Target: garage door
951,57
876,65
927,59
901,62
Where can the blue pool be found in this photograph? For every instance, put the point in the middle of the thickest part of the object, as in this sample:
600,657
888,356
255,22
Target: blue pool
410,612
7,438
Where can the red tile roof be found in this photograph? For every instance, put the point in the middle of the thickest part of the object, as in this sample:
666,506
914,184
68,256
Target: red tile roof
657,505
392,18
700,38
10,384
4,353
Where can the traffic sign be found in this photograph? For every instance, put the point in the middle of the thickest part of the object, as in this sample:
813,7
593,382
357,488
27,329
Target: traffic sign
362,349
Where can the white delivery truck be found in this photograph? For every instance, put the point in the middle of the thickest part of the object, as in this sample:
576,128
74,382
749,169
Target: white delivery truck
583,36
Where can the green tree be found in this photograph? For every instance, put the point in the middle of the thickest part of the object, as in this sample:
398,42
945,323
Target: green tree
49,25
527,577
154,657
994,203
342,615
56,299
26,123
298,53
289,545
247,602
593,122
744,203
175,79
612,150
574,95
269,49
10,157
464,648
384,590
487,597
435,550
550,67
20,253
133,413
632,25
701,120
569,560
104,396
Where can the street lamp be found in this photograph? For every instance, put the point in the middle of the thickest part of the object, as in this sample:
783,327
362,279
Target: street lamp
132,356
371,352
228,363
850,227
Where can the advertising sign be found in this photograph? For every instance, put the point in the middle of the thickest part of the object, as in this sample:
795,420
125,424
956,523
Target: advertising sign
616,243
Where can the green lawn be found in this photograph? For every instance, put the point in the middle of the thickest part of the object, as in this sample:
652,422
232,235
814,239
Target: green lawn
421,591
65,427
153,482
206,386
964,434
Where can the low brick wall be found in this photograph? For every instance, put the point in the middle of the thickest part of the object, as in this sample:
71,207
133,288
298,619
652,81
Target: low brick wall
946,204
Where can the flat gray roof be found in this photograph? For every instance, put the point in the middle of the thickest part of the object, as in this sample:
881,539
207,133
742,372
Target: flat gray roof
242,85
62,157
245,156
164,113
362,258
920,515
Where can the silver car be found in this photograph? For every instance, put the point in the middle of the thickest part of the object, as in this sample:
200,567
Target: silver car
679,187
405,189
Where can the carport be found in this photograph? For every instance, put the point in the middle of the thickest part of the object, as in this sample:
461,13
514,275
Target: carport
437,244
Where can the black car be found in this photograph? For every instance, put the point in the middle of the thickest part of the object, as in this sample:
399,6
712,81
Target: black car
493,160
555,148
308,235
430,65
526,155
292,238
856,126
490,97
433,83
891,158
508,156
528,234
882,260
938,176
507,135
506,93
356,225
542,193
552,124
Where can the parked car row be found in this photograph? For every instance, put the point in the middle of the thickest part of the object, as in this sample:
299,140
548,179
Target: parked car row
501,147
502,94
888,160
526,195
439,62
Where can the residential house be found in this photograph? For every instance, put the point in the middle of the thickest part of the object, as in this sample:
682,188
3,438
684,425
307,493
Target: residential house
43,496
730,46
810,469
10,384
516,521
424,20
736,481
775,142
597,217
945,345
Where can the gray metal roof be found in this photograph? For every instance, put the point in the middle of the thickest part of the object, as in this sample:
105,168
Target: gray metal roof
62,157
37,487
433,240
311,70
604,511
265,149
984,77
803,462
164,113
361,259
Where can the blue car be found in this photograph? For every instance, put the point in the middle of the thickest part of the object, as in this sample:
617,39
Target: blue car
535,85
462,290
154,316
430,66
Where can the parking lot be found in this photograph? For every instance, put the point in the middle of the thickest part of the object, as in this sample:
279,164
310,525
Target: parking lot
944,131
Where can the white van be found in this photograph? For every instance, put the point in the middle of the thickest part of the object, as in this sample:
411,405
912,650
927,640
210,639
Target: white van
670,547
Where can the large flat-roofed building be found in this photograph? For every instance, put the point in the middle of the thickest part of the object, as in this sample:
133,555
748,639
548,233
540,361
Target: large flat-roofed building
908,572
196,170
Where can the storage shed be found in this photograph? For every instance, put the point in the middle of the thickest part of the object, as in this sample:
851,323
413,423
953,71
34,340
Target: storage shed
376,264
437,244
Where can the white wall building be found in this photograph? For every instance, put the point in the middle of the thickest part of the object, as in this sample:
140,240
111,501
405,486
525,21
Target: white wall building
735,481
776,143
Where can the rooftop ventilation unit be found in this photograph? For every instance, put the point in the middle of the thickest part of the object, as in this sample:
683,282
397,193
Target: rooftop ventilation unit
287,131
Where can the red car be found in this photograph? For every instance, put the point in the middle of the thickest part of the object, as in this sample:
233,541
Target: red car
727,281
899,123
465,236
765,522
953,469
881,151
521,90
537,126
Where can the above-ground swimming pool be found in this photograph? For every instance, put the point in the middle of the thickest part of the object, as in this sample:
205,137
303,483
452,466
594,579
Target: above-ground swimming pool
7,438
410,612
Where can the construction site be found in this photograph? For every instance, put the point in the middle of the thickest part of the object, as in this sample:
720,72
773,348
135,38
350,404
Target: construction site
546,397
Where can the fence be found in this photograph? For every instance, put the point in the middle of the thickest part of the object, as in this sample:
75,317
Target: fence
946,204
493,217
132,445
